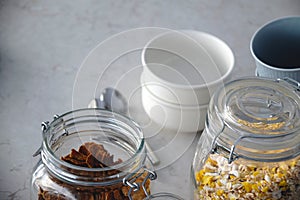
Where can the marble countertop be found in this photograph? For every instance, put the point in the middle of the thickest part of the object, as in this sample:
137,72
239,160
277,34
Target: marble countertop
43,44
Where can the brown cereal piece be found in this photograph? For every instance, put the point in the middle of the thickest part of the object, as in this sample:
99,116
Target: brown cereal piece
74,161
93,162
94,155
100,153
77,155
49,195
117,194
84,150
118,161
85,196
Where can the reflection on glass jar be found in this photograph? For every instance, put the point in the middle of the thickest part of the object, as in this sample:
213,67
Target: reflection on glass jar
250,148
92,154
164,196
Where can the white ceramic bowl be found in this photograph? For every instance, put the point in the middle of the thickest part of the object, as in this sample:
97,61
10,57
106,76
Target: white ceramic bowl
173,116
185,67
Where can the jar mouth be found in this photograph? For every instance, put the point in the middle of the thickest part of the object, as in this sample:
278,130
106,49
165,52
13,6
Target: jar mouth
121,136
258,118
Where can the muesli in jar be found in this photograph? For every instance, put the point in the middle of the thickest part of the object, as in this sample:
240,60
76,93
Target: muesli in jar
244,180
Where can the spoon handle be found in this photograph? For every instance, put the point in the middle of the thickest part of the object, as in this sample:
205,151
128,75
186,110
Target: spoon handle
151,155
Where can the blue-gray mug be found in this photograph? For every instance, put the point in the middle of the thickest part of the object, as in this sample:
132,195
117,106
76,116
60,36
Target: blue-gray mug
276,48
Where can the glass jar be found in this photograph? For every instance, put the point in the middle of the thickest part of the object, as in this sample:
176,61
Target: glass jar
250,148
92,154
164,196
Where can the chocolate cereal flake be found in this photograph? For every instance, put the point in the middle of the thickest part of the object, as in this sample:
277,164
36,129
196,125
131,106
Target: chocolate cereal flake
92,155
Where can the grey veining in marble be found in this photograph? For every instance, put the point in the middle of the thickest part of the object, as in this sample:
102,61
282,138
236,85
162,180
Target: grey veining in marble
43,43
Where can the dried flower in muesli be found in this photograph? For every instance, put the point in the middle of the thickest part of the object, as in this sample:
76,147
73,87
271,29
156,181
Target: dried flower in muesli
241,180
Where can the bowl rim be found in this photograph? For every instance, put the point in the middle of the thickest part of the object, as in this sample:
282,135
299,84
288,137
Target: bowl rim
185,32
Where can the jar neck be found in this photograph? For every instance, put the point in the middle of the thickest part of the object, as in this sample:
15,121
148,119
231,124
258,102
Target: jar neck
75,128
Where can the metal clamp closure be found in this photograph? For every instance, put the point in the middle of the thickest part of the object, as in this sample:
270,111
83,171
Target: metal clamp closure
134,186
290,81
218,148
215,145
45,126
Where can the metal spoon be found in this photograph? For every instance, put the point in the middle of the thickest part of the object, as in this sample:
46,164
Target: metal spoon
112,99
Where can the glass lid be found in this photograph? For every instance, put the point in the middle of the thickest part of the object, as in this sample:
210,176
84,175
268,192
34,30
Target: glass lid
260,106
256,119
